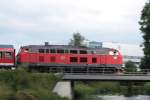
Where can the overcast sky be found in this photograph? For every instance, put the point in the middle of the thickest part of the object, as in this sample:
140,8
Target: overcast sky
24,22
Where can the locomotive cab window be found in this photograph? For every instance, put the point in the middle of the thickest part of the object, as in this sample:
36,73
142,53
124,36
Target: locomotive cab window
52,51
94,60
83,59
1,55
60,51
83,52
73,51
8,55
116,53
73,59
26,50
41,50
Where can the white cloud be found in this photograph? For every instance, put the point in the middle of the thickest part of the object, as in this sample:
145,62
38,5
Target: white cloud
96,19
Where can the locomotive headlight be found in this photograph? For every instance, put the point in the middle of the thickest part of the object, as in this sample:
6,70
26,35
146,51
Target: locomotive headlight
115,57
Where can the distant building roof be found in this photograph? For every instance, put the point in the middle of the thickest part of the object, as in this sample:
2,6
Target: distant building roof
94,44
6,46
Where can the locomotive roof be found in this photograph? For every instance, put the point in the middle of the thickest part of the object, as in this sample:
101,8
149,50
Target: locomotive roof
6,46
63,47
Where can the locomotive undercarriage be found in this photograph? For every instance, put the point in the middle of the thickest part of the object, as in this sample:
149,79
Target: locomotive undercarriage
74,68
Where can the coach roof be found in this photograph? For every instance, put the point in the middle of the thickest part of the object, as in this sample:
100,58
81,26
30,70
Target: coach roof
6,46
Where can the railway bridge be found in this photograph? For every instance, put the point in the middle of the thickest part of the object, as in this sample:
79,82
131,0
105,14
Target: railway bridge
142,76
107,77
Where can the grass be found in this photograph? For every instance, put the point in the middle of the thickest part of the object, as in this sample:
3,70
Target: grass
22,85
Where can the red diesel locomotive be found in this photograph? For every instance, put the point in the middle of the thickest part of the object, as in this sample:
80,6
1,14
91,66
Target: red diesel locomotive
69,58
7,56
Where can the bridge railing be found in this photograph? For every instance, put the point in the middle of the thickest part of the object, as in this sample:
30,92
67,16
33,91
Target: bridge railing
96,70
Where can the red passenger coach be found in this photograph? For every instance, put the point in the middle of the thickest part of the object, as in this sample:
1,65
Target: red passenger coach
69,58
7,56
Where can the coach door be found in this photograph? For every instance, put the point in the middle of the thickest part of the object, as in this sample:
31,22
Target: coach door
1,57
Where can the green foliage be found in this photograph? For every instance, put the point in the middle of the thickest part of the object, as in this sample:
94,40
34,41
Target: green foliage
77,40
130,67
22,85
147,88
86,90
145,29
83,91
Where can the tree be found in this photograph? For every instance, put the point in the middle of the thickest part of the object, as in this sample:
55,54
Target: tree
130,67
145,29
78,40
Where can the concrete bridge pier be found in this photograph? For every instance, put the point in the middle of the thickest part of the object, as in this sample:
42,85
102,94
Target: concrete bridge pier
65,89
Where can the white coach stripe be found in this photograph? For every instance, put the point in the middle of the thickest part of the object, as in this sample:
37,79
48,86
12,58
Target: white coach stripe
6,64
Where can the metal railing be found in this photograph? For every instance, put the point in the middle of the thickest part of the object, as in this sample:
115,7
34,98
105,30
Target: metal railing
95,70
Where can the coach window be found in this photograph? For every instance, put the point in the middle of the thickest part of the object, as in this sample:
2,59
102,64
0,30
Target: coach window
47,50
60,51
8,55
1,55
41,50
83,52
83,59
94,60
73,51
73,59
52,51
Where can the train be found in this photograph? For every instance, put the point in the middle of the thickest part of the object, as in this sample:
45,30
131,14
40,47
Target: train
65,58
7,56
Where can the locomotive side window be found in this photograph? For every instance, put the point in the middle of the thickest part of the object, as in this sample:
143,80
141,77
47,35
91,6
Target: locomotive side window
52,51
83,52
94,60
73,51
8,55
83,59
92,52
73,59
1,55
60,51
47,50
41,50
66,51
